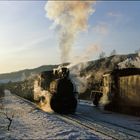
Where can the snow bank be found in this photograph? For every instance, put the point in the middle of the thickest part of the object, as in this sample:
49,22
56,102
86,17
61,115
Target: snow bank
32,123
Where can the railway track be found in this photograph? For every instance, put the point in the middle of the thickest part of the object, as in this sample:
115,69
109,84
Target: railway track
107,129
68,118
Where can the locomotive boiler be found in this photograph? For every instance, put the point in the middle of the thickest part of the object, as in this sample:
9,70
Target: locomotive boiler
62,89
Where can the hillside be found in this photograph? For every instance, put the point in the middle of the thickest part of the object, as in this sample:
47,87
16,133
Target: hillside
87,76
91,72
23,74
104,64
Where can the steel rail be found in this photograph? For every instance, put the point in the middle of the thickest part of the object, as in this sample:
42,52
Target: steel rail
107,129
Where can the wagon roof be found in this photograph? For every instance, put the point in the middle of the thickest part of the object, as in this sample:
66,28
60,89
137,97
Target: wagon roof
124,72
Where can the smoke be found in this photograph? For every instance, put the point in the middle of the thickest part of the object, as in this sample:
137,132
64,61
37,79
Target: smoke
42,96
86,55
104,100
79,64
71,17
81,82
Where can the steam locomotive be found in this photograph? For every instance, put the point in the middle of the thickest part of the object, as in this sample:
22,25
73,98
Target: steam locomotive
62,90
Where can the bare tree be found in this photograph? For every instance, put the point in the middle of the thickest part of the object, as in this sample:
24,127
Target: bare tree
137,51
8,117
102,55
113,52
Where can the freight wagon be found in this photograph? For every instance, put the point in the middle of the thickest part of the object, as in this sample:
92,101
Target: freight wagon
122,89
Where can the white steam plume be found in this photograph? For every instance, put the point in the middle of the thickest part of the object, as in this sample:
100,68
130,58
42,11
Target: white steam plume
38,93
71,17
80,63
86,55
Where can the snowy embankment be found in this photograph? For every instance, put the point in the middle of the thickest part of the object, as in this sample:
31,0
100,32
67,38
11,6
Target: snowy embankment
31,123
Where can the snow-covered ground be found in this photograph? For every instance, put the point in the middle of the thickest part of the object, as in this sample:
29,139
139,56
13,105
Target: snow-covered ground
29,122
100,115
32,123
120,126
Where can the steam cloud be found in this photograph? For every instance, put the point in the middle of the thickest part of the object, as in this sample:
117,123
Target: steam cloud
86,55
81,62
71,17
38,93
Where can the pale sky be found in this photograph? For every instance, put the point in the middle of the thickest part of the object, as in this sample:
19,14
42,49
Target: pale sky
28,41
